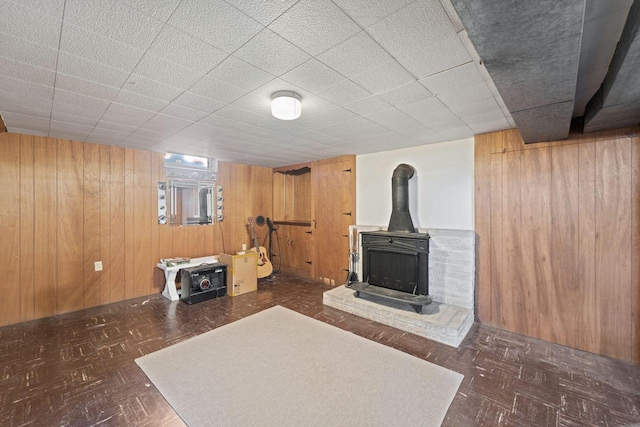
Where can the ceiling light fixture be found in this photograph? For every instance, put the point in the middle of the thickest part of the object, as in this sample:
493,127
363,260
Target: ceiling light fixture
286,105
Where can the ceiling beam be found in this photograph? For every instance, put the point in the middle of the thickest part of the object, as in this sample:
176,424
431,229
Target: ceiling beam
532,51
617,102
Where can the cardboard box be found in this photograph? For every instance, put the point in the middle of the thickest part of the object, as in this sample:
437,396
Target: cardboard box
242,273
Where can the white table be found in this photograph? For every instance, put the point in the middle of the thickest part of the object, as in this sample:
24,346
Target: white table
170,292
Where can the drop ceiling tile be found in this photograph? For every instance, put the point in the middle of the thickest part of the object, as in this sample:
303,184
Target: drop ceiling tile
26,23
159,9
449,122
104,125
327,118
358,127
453,134
201,103
85,87
166,124
22,71
320,138
421,133
424,109
454,79
422,38
313,76
406,94
185,50
474,107
151,135
114,20
28,52
314,25
198,131
89,70
25,88
438,116
139,101
265,11
367,106
271,53
80,42
181,112
70,118
166,72
311,103
70,128
344,92
384,78
217,23
367,12
92,111
490,126
103,139
23,131
70,136
239,73
42,110
80,100
472,93
118,134
147,87
127,115
53,8
394,119
355,55
216,90
453,15
484,117
25,121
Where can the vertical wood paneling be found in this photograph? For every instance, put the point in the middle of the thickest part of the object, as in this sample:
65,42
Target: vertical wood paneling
635,261
180,241
104,234
46,225
496,241
564,292
27,228
513,312
482,217
70,225
577,206
117,229
141,255
10,228
535,187
91,216
613,247
129,221
587,244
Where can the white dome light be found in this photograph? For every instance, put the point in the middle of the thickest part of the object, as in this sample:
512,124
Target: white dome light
286,105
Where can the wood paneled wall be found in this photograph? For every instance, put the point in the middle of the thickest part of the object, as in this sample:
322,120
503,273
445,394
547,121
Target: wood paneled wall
67,204
558,227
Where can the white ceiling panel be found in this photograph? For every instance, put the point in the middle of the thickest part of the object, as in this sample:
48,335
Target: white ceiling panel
314,25
383,78
85,87
484,117
474,107
240,74
271,53
175,110
104,139
186,50
263,11
159,9
28,52
453,134
53,8
312,104
419,33
215,22
70,128
394,119
113,19
83,101
70,136
166,72
406,94
328,118
120,134
355,55
24,121
139,101
471,93
216,90
93,111
151,88
344,92
367,12
42,110
421,110
367,106
25,88
70,118
90,70
485,127
106,126
453,79
80,42
27,131
313,76
27,23
128,115
22,71
201,103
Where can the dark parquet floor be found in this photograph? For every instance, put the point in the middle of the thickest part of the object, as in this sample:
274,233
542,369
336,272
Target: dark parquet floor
78,369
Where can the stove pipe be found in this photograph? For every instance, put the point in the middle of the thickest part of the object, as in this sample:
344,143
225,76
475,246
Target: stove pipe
400,216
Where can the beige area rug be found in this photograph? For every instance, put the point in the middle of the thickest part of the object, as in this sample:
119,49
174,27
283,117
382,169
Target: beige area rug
281,368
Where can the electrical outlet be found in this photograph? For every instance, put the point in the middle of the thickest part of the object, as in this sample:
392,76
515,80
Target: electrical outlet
97,265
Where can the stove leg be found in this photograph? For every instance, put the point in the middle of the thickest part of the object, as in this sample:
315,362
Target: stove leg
417,308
